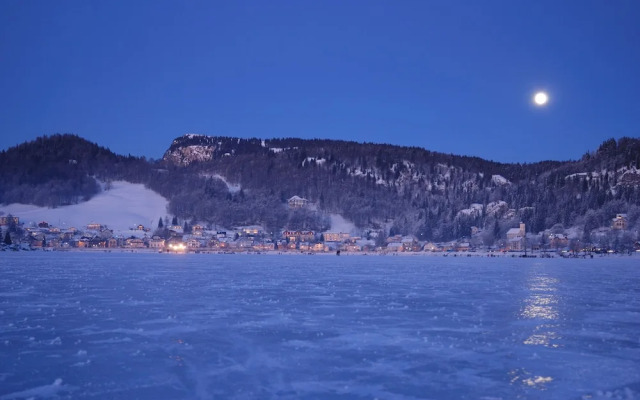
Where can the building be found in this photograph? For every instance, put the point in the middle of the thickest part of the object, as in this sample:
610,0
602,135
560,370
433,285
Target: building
97,242
352,247
335,236
253,230
394,239
135,243
297,202
197,228
94,226
432,247
395,247
194,243
156,242
299,236
409,243
463,246
558,241
245,243
264,246
7,220
37,240
319,247
619,222
515,238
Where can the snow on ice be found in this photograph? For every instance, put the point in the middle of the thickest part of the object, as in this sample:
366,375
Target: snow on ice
148,326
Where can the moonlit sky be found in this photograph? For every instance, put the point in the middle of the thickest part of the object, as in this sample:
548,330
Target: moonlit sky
450,76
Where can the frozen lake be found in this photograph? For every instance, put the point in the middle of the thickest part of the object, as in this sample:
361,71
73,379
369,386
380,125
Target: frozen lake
152,326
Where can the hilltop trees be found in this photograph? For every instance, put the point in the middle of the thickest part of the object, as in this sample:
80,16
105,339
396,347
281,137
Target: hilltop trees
61,169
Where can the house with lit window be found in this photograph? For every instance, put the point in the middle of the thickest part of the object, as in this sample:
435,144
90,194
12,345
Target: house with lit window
6,220
94,226
319,247
432,247
619,222
304,246
197,228
299,236
156,242
135,243
352,247
253,230
264,246
558,240
409,243
297,202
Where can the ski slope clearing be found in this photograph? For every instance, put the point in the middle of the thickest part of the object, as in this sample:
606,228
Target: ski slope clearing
121,208
340,224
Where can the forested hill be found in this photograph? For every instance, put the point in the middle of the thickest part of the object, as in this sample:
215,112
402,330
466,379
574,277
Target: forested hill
58,170
408,190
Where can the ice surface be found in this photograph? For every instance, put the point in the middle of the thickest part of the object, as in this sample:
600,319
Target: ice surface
149,326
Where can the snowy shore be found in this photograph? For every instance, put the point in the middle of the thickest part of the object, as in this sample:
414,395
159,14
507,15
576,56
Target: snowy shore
475,254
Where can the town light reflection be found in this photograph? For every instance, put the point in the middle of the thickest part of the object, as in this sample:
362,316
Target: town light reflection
540,308
538,381
542,304
527,378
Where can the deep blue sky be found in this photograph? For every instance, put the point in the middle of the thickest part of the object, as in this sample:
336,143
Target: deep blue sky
451,76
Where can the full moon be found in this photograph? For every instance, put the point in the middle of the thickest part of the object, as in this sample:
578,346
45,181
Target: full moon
540,98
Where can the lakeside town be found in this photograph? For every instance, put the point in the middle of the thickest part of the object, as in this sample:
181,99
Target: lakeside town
171,237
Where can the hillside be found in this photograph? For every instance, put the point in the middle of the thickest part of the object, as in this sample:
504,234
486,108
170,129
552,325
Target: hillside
397,190
59,170
122,206
412,190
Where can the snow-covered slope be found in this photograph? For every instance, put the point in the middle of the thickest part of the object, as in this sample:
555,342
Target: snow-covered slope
340,224
120,208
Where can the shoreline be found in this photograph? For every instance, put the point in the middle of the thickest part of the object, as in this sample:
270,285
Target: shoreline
475,254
